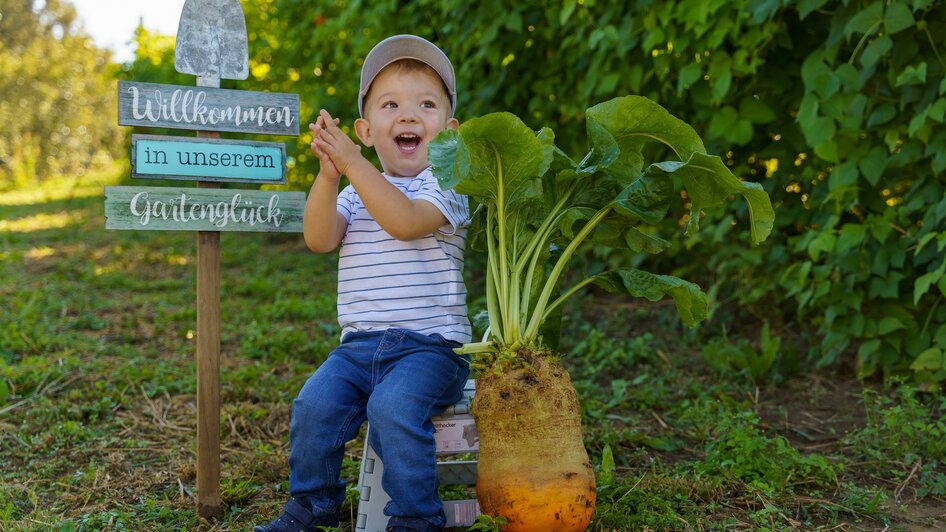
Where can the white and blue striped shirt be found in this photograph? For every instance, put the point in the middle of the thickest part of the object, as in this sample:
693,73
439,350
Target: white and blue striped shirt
386,283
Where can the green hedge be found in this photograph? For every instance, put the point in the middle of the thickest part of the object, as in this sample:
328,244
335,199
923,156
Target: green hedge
837,107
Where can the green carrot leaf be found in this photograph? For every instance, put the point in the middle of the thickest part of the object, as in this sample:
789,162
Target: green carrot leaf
604,148
449,159
639,241
635,121
491,157
689,299
709,183
647,198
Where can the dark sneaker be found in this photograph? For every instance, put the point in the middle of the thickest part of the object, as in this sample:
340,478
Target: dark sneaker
297,518
411,524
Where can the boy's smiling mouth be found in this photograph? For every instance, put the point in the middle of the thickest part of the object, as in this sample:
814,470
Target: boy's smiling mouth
407,143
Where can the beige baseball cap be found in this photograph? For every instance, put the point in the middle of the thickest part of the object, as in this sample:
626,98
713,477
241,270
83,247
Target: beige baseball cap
400,47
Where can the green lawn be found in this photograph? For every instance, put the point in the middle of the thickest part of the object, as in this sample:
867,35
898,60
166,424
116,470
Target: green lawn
97,404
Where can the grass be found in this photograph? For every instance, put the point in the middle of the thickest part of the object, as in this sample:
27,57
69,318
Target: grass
97,404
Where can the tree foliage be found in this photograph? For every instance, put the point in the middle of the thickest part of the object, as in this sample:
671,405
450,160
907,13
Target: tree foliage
57,95
836,106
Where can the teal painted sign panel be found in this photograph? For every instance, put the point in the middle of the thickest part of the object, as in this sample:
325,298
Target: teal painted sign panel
203,209
161,157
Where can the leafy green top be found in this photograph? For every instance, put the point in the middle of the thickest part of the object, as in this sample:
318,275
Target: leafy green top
533,198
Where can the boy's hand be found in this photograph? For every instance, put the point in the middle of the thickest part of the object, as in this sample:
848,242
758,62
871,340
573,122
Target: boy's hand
331,141
327,168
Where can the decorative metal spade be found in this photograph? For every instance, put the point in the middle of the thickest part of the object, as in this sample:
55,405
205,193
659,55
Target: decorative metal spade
211,41
211,44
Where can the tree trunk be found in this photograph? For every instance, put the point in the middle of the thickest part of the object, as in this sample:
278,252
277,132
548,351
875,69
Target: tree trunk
532,465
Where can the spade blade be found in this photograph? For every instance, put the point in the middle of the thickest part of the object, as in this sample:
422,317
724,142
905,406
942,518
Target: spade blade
211,40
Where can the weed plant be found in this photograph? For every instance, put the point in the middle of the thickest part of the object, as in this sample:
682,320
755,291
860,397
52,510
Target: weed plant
905,437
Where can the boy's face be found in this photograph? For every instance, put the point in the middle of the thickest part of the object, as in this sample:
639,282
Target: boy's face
404,110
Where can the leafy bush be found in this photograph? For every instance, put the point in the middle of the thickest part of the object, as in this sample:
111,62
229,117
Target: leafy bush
850,140
836,106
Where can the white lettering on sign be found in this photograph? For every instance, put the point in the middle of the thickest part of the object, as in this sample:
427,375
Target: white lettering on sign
219,214
188,106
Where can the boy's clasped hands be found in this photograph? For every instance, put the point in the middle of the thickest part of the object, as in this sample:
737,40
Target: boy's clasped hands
335,150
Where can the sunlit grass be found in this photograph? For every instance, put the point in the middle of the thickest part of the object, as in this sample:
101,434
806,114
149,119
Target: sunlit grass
41,221
178,260
107,269
40,252
63,188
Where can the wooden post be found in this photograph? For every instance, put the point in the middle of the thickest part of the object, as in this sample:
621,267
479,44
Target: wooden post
209,503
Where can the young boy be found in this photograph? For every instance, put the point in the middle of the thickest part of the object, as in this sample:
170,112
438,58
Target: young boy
401,297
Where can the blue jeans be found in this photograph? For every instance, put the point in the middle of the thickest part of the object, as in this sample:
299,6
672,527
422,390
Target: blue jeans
397,380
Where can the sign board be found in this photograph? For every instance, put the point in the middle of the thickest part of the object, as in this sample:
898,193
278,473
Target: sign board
203,209
207,109
159,157
456,435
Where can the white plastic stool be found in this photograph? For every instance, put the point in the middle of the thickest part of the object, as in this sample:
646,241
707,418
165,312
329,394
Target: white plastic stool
456,433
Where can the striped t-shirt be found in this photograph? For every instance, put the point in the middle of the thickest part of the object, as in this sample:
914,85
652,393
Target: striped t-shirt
386,283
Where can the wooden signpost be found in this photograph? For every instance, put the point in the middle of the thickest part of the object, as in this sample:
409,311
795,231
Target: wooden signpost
211,44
